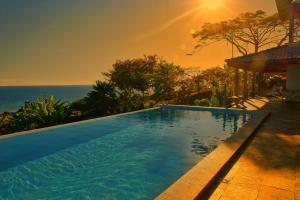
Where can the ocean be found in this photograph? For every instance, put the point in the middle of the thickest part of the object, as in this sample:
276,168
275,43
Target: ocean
13,97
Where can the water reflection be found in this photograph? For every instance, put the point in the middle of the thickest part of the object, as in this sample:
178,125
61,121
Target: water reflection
204,134
201,145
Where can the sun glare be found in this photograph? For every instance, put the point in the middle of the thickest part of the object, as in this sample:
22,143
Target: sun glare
212,4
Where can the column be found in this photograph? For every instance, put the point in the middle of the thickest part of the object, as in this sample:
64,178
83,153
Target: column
260,83
246,94
253,93
236,82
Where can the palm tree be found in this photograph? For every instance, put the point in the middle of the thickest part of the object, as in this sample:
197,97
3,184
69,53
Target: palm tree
102,99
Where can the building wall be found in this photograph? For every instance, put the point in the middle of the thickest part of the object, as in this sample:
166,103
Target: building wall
293,78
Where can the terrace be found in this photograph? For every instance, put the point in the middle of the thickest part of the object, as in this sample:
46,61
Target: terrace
262,162
269,167
266,166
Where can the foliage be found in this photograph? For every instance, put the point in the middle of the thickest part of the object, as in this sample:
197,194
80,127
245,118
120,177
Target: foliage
202,102
41,113
274,80
219,96
185,91
126,104
133,75
217,99
166,80
102,100
132,84
256,29
215,76
198,81
80,105
135,78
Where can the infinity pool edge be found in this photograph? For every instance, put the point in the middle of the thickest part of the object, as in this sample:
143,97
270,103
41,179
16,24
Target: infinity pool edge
72,123
116,115
193,184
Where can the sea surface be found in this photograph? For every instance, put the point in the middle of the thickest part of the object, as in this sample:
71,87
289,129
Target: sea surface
13,97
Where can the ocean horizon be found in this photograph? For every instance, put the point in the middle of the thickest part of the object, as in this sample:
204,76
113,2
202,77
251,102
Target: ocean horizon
13,97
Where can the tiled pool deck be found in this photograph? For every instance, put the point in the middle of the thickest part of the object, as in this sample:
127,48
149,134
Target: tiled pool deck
269,167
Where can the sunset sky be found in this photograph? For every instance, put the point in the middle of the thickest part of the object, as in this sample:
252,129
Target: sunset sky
57,42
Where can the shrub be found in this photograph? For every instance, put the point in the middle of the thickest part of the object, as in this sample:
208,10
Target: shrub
203,102
41,113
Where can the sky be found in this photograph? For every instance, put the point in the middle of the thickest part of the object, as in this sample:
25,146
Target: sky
70,42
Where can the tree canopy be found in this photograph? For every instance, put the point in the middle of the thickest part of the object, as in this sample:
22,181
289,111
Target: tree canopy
133,74
249,32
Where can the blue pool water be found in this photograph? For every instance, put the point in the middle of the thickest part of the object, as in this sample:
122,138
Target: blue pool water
134,156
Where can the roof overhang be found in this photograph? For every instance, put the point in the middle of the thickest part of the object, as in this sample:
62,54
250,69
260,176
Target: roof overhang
270,60
288,8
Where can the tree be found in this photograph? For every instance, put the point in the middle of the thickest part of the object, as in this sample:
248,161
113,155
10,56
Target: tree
198,80
166,80
133,75
256,29
194,75
217,76
186,88
102,100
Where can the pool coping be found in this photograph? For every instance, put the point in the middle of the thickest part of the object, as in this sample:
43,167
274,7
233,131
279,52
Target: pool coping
193,184
204,108
72,123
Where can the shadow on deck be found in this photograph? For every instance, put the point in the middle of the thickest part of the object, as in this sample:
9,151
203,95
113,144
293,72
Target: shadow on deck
269,166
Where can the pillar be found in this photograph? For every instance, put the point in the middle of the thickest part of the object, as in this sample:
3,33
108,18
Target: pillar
292,29
260,83
245,92
292,82
236,82
253,92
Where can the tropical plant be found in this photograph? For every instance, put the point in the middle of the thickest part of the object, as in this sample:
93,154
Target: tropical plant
40,113
80,105
202,102
219,96
102,100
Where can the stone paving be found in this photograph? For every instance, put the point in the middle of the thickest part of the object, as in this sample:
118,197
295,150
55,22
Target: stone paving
269,167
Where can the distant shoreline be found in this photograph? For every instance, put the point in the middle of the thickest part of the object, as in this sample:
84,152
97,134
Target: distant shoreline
12,98
44,85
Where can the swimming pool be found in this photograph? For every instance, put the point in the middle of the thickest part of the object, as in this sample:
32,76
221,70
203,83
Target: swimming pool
132,156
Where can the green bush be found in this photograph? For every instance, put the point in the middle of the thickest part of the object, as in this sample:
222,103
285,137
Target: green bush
203,102
214,101
41,113
80,105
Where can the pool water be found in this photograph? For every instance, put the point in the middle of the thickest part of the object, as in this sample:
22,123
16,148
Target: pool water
134,156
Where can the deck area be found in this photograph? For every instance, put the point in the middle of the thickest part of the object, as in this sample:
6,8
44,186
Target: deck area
269,167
